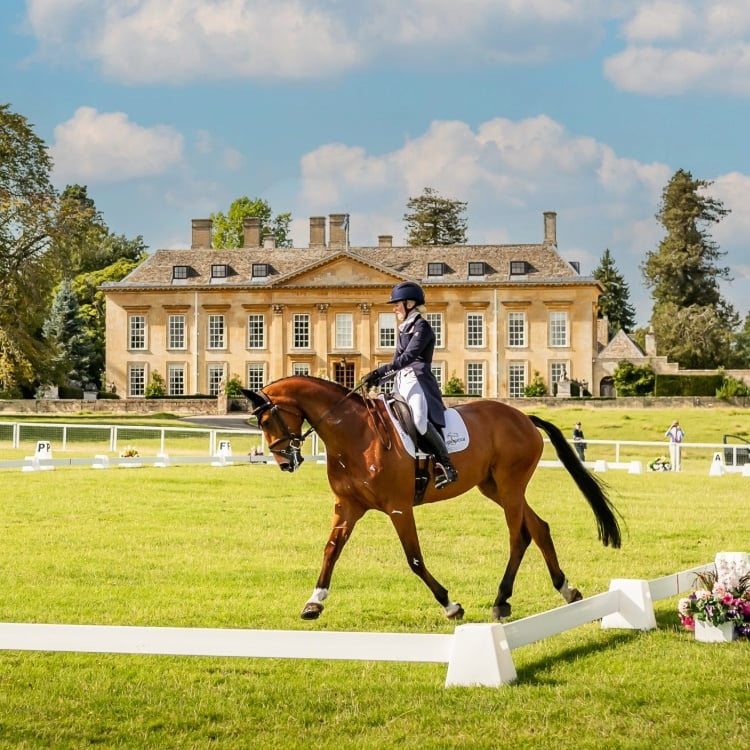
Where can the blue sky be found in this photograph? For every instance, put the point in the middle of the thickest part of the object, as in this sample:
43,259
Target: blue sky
168,110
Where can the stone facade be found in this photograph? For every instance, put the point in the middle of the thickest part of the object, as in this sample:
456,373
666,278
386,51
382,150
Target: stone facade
199,316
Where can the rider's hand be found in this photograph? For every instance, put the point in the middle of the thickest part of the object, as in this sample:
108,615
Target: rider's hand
371,379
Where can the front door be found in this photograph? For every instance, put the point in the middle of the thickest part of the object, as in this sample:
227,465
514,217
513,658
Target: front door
343,374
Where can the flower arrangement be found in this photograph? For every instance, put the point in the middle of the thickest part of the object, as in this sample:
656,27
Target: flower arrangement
660,464
129,452
723,596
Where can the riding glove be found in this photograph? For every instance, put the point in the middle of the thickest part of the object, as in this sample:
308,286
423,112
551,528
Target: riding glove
372,378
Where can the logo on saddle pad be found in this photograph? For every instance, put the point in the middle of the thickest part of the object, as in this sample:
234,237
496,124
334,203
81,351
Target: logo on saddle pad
455,433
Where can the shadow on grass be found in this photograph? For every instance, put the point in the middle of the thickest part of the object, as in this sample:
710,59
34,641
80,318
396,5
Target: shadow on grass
538,673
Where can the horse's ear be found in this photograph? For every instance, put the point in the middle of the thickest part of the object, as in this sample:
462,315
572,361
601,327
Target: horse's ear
255,398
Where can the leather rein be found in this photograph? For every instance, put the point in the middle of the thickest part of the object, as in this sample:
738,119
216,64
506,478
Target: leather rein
292,452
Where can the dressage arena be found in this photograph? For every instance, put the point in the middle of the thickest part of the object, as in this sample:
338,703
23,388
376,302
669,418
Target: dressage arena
149,562
477,655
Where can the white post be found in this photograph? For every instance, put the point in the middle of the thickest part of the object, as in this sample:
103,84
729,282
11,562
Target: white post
636,610
480,656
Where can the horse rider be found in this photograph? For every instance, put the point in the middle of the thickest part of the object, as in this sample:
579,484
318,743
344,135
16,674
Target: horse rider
414,379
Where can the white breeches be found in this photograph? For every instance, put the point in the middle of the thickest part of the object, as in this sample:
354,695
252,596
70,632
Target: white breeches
407,385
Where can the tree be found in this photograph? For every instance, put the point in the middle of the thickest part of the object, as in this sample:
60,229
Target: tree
89,254
70,339
741,345
684,277
632,380
432,220
615,302
227,230
28,221
78,246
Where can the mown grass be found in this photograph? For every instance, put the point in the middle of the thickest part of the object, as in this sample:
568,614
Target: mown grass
240,547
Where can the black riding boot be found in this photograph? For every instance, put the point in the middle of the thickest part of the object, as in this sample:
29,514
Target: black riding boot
445,473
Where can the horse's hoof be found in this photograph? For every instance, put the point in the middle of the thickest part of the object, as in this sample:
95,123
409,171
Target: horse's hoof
457,613
575,596
500,612
311,611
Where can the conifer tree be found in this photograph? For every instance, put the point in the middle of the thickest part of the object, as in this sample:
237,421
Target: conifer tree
433,220
615,302
692,321
65,330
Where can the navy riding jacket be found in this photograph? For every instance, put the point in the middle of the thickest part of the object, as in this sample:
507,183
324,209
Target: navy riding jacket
415,346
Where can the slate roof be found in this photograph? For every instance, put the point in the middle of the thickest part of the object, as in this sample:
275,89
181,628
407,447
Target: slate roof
544,265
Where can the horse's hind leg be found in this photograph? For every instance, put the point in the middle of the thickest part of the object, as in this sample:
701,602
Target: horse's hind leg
539,530
406,528
345,516
520,539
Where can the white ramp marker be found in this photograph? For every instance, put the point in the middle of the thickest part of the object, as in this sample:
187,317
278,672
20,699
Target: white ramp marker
717,465
224,452
480,656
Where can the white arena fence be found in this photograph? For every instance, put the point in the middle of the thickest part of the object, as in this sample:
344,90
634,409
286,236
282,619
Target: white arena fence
477,654
84,445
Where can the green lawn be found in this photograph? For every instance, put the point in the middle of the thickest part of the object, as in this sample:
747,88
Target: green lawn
240,547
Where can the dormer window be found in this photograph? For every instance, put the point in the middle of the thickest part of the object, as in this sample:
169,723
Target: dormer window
180,273
260,270
575,265
436,268
519,268
219,271
477,268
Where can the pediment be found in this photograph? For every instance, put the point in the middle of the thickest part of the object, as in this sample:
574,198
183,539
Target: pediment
341,270
621,347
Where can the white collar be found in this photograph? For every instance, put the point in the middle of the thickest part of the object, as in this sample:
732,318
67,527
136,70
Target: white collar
409,318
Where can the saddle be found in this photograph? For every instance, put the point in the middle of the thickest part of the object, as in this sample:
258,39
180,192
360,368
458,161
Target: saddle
401,411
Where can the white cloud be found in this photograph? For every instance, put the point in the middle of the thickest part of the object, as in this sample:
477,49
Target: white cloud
733,190
108,147
677,47
176,41
503,167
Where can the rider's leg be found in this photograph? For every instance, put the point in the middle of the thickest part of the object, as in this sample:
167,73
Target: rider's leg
435,440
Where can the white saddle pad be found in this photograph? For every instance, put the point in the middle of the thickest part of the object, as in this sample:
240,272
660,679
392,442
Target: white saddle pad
455,434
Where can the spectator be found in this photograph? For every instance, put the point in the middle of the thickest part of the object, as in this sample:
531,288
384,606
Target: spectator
676,436
578,441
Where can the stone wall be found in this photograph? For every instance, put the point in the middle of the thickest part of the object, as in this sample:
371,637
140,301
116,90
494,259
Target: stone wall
184,407
202,407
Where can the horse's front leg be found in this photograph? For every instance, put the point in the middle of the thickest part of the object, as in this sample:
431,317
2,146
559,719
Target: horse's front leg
345,517
403,521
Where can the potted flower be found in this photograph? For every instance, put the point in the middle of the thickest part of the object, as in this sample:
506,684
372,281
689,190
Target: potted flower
129,452
660,464
719,610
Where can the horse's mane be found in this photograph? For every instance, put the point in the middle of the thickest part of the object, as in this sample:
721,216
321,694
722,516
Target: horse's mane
324,383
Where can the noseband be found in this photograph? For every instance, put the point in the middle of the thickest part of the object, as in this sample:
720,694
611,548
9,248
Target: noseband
292,452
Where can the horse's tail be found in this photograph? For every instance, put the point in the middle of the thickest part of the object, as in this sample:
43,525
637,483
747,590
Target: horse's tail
590,485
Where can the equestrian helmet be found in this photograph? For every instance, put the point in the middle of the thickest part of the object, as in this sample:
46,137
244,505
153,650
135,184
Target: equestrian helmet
407,290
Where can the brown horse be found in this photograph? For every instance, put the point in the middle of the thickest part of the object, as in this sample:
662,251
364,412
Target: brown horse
369,469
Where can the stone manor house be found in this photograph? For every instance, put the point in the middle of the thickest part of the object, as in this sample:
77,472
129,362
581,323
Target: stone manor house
501,313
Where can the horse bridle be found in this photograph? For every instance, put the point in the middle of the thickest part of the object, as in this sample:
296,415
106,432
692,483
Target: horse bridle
292,452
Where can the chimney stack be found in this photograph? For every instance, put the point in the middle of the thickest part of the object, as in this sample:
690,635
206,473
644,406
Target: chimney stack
251,231
269,241
385,240
550,228
317,231
201,234
337,231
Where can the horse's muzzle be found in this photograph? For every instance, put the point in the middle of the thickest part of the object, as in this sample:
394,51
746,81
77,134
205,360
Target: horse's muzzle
292,460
